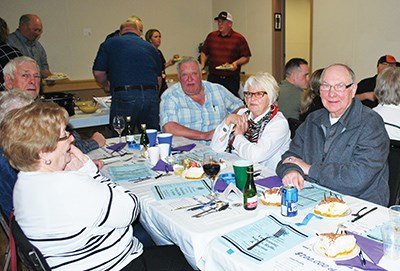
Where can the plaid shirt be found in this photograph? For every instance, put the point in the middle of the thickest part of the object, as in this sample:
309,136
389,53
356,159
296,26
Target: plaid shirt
178,107
6,54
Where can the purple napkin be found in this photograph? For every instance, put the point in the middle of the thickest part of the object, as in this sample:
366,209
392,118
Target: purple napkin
188,147
269,182
372,248
356,262
117,146
273,181
161,165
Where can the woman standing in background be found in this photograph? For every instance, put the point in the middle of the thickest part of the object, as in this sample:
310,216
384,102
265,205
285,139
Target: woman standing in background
154,37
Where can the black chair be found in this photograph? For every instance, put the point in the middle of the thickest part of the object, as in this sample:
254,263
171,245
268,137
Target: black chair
293,125
4,226
30,255
394,172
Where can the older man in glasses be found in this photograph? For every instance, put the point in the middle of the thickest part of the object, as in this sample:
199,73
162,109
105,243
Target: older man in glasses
343,146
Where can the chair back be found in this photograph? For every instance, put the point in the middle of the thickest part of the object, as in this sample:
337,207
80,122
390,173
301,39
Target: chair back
394,172
28,253
4,226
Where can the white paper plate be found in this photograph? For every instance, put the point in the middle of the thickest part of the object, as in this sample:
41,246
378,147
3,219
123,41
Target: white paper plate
317,249
347,213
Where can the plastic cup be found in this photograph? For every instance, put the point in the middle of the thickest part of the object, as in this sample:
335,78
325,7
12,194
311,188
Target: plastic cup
240,168
165,138
152,135
154,155
394,211
391,239
164,150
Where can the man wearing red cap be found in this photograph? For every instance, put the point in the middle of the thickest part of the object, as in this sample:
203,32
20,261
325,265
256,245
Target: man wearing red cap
226,51
365,90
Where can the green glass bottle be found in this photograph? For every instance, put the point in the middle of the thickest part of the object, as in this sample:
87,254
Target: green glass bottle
250,198
144,141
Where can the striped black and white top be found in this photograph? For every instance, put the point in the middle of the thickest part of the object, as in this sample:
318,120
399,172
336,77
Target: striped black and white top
79,220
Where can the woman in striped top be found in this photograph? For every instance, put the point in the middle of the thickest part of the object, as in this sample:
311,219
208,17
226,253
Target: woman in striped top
78,219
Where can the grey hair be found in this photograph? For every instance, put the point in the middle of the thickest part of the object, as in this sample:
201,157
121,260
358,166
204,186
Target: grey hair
13,99
186,59
349,70
12,65
387,88
264,81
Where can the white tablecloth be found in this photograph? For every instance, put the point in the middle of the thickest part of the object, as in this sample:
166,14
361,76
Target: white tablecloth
82,120
198,237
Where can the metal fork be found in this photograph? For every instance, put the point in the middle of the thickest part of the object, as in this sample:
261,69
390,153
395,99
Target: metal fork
276,235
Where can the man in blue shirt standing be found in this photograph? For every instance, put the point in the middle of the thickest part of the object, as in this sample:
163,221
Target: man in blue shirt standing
26,40
130,68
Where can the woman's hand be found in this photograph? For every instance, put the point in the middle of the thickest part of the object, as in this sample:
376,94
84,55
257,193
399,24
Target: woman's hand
78,159
294,178
241,125
232,119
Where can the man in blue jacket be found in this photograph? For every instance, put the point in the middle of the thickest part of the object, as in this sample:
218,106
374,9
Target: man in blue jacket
343,146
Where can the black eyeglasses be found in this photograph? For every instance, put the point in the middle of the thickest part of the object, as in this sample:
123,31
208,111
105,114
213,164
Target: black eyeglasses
258,94
67,135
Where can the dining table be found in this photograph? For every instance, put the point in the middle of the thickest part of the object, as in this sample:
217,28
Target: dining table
220,238
83,120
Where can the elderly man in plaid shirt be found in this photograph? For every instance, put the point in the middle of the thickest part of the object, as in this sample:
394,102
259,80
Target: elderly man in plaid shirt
193,108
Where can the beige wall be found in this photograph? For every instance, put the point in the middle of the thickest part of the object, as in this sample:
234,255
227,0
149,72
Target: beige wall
355,32
298,20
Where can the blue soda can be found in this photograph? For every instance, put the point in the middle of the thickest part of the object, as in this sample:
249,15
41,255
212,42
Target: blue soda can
289,201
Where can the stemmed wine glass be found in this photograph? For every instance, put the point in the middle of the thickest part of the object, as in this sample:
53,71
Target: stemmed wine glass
119,125
211,167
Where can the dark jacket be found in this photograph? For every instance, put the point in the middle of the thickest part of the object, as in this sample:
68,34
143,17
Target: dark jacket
354,162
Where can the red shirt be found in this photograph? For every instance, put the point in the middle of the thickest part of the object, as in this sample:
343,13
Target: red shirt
225,49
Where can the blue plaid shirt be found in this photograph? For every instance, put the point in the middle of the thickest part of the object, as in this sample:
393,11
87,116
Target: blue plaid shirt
178,107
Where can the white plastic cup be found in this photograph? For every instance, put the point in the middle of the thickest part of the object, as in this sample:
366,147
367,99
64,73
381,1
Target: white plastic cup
165,138
164,150
154,155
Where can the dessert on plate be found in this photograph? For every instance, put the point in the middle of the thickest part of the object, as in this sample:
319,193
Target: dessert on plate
193,173
335,245
272,196
332,207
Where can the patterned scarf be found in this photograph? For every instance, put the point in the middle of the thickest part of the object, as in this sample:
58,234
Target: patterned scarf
255,129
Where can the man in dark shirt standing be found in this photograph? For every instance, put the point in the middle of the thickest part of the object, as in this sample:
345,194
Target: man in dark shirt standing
130,68
365,91
225,46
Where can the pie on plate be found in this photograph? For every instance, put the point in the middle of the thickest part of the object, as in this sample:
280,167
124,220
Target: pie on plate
332,207
336,246
272,196
193,173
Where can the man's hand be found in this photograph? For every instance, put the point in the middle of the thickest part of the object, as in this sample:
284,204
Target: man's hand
293,177
294,160
99,138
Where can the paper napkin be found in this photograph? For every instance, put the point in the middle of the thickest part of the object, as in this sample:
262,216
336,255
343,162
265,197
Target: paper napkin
161,165
188,147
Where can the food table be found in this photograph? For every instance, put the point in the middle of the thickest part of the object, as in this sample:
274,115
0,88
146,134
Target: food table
200,239
82,120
